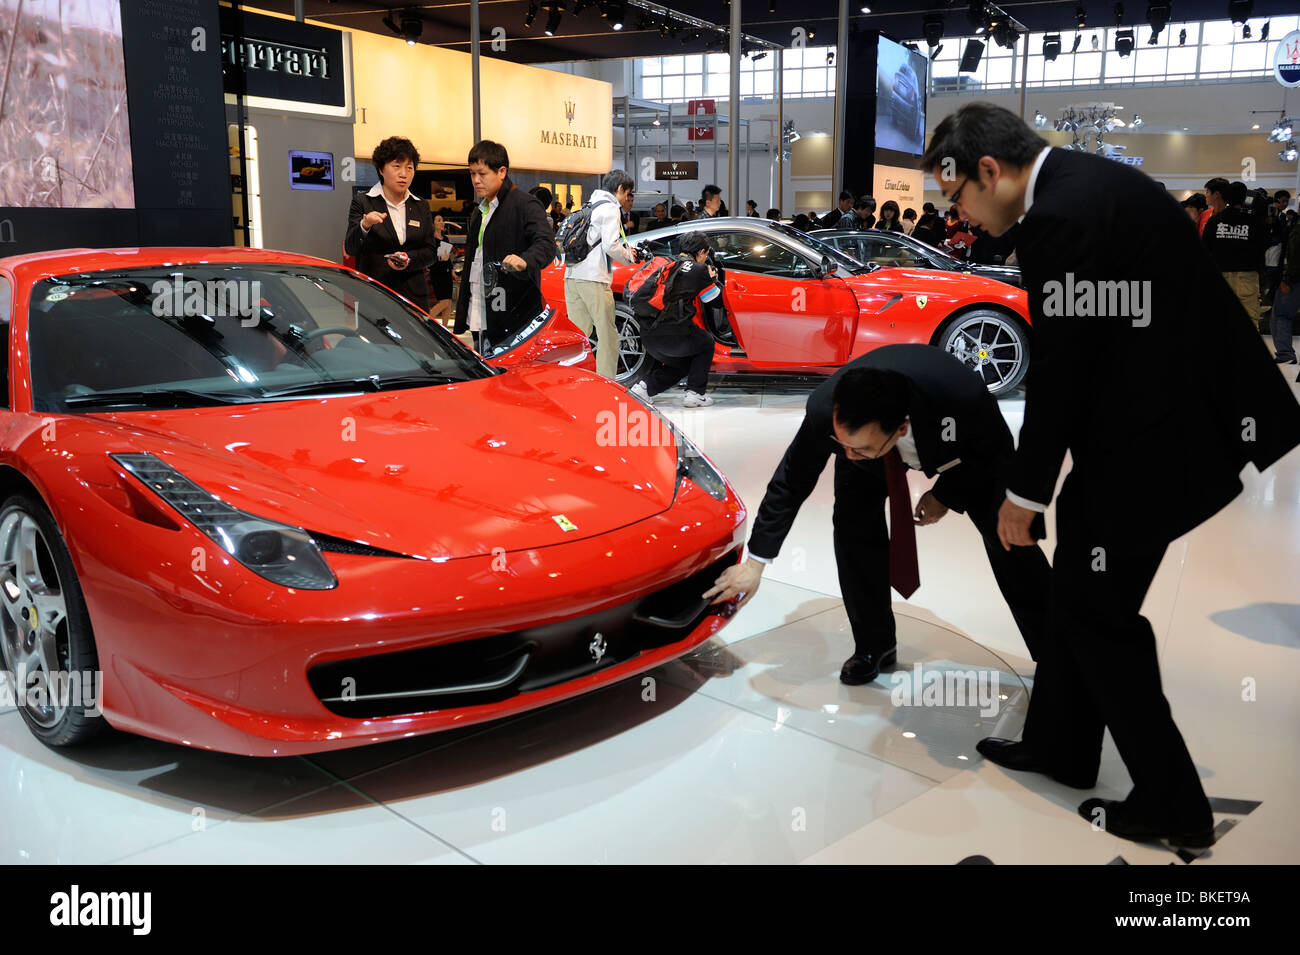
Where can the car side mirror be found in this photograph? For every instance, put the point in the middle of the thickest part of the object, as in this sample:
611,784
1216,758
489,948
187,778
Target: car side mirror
827,267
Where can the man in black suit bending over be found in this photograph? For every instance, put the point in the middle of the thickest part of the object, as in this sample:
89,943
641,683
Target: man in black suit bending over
1144,369
898,407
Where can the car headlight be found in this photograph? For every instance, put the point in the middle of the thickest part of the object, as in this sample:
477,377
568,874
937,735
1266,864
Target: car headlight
690,462
281,553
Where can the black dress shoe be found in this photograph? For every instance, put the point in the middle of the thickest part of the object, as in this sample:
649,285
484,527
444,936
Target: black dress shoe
1284,361
1013,754
1116,820
865,667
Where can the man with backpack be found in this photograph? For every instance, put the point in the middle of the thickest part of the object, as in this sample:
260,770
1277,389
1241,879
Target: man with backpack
589,238
677,341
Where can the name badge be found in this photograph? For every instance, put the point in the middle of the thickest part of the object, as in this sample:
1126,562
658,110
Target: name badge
414,222
951,464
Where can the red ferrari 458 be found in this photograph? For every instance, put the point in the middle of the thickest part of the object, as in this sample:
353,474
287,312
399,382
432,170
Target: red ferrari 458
255,502
792,303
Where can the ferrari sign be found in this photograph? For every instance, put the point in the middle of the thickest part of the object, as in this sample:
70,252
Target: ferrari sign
677,170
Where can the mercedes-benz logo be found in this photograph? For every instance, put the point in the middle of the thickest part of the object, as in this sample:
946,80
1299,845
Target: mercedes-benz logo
597,647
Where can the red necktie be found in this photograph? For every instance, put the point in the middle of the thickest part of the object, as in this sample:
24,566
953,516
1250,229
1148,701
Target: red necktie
904,574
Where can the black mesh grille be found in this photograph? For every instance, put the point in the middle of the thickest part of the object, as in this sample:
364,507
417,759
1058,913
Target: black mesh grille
495,668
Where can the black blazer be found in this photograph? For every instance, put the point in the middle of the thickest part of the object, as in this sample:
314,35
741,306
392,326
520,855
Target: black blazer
959,430
519,226
371,247
1160,409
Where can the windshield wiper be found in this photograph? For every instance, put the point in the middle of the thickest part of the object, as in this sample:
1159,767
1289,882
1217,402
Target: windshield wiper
157,398
371,383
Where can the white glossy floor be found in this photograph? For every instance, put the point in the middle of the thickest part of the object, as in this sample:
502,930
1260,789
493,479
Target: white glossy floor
751,751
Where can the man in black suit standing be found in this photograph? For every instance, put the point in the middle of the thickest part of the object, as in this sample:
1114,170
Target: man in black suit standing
1144,370
390,229
510,227
897,407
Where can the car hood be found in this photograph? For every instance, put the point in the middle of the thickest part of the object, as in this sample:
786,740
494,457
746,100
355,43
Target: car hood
443,472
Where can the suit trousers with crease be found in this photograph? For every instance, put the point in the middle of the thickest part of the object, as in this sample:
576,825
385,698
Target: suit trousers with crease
862,559
1099,667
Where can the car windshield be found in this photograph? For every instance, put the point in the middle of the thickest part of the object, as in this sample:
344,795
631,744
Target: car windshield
840,258
189,335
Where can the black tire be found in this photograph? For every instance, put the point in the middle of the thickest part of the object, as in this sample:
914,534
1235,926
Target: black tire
632,359
990,342
73,640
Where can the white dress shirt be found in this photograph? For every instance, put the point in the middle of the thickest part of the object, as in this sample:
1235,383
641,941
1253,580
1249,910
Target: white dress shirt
396,213
477,318
1013,497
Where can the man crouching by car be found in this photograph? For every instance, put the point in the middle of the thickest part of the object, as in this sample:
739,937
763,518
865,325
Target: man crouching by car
677,341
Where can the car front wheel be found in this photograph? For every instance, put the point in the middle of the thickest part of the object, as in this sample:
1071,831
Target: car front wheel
990,343
632,359
45,636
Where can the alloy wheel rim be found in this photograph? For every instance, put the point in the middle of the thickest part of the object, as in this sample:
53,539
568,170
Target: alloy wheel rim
33,610
990,346
630,350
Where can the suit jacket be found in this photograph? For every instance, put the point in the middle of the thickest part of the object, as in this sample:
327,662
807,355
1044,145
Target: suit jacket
519,226
959,430
371,247
1160,406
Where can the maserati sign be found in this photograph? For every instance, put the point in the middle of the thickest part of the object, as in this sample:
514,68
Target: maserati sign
1286,64
677,170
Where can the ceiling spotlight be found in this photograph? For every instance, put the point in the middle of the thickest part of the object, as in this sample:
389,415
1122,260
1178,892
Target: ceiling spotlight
1157,16
1263,32
771,6
1078,38
1240,10
1039,119
866,9
1080,17
812,33
932,29
411,26
615,13
1095,45
1004,34
1245,31
977,15
1137,121
1282,131
532,13
1288,153
830,58
1182,36
1119,14
758,56
1124,42
1051,46
554,12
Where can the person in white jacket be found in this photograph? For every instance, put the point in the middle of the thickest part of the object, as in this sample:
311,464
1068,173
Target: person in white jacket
587,293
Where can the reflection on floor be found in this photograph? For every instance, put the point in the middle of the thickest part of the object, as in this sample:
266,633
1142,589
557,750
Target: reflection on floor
750,750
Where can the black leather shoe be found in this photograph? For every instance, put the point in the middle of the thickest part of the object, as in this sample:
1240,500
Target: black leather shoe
1013,754
865,667
1284,361
1115,820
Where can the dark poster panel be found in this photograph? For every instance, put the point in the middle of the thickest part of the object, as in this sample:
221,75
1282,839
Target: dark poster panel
859,140
178,126
39,230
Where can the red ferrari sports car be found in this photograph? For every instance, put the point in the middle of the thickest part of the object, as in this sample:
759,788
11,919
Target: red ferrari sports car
795,304
254,502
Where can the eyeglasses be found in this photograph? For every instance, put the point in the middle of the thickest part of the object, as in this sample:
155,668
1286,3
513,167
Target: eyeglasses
956,196
873,457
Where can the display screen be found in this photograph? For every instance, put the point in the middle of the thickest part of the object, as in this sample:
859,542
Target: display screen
311,170
900,98
65,142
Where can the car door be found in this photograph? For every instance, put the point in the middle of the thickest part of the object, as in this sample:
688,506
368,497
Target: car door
782,311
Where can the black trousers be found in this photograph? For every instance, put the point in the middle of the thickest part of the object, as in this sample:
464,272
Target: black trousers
1099,668
677,350
862,558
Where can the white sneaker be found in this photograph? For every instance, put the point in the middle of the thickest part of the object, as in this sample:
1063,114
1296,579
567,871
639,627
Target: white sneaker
696,400
642,392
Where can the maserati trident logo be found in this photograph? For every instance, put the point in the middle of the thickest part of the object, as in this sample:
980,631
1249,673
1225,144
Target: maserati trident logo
570,109
597,647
